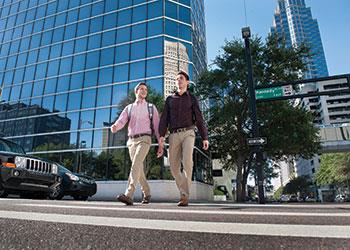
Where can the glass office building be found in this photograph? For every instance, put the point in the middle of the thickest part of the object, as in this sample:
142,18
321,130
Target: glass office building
293,21
67,68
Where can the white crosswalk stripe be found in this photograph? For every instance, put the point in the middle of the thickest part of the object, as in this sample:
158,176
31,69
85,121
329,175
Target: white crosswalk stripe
320,231
297,230
188,211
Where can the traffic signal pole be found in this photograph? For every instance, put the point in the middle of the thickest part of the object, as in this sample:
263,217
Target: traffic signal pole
253,116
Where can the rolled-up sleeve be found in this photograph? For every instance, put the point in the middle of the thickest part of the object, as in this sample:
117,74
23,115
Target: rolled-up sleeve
122,119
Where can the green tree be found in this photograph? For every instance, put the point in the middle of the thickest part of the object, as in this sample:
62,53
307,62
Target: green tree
298,184
277,194
289,129
334,169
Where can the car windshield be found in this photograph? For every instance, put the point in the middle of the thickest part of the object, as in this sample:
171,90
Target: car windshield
8,146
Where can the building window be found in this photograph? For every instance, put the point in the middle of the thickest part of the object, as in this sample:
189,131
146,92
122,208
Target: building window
171,28
154,67
171,10
122,53
155,27
61,103
104,96
121,73
91,78
74,99
76,81
92,59
124,17
138,50
50,86
123,35
138,31
108,38
110,21
137,70
155,9
155,47
63,83
105,76
96,24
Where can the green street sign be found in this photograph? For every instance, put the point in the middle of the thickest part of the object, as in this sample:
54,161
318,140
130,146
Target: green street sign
273,92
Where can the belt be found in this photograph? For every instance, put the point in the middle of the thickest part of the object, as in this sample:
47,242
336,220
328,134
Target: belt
138,136
181,130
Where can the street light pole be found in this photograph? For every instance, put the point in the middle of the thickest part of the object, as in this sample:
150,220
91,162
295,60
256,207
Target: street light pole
253,116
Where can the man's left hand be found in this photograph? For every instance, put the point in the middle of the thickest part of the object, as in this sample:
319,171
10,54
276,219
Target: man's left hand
205,144
160,151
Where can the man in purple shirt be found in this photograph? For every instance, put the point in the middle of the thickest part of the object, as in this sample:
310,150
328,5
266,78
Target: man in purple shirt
181,114
139,132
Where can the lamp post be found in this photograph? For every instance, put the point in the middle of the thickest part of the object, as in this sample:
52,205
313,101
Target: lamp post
252,103
80,145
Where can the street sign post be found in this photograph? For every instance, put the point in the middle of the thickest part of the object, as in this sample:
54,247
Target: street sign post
257,141
274,92
253,116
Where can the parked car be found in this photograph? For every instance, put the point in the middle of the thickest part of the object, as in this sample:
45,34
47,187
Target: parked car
341,198
310,199
25,175
79,186
284,198
293,198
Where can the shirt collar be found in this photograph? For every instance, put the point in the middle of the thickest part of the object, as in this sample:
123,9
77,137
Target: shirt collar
140,101
185,93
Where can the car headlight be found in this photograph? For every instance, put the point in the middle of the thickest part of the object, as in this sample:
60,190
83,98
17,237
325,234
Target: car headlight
72,177
54,169
20,161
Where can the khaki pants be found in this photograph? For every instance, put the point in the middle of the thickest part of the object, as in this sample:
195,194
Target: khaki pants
180,151
138,150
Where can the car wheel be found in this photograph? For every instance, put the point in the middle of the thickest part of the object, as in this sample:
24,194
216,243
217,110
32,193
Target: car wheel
56,193
80,197
3,193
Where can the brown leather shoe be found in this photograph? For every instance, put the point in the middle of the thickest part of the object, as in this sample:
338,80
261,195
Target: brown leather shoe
183,201
146,199
125,199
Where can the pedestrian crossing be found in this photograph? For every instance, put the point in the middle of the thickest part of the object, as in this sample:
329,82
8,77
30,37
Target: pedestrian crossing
187,211
62,212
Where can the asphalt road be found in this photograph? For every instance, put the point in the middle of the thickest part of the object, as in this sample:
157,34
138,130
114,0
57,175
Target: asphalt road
45,224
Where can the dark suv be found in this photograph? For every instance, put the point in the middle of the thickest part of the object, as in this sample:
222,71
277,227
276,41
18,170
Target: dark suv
25,175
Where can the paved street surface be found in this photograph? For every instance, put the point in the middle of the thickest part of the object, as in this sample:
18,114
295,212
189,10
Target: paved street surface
68,224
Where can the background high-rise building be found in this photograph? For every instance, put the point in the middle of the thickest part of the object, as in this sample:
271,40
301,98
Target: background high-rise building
176,58
76,62
293,21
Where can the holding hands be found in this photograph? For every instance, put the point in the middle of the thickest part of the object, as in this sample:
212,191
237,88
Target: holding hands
160,147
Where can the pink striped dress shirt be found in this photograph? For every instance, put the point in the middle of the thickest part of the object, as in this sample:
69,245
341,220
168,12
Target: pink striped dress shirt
139,120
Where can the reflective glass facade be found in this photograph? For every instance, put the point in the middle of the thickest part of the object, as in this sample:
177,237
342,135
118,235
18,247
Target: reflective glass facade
67,66
293,20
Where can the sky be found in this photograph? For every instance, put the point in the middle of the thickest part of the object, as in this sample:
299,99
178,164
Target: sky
225,19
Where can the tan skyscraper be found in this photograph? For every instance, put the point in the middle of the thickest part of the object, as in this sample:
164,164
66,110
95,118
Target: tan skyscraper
175,59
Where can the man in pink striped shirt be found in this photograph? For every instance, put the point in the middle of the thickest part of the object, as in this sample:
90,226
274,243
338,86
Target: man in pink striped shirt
143,121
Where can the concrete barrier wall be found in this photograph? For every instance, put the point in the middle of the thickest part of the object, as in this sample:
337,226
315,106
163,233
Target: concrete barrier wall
161,190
